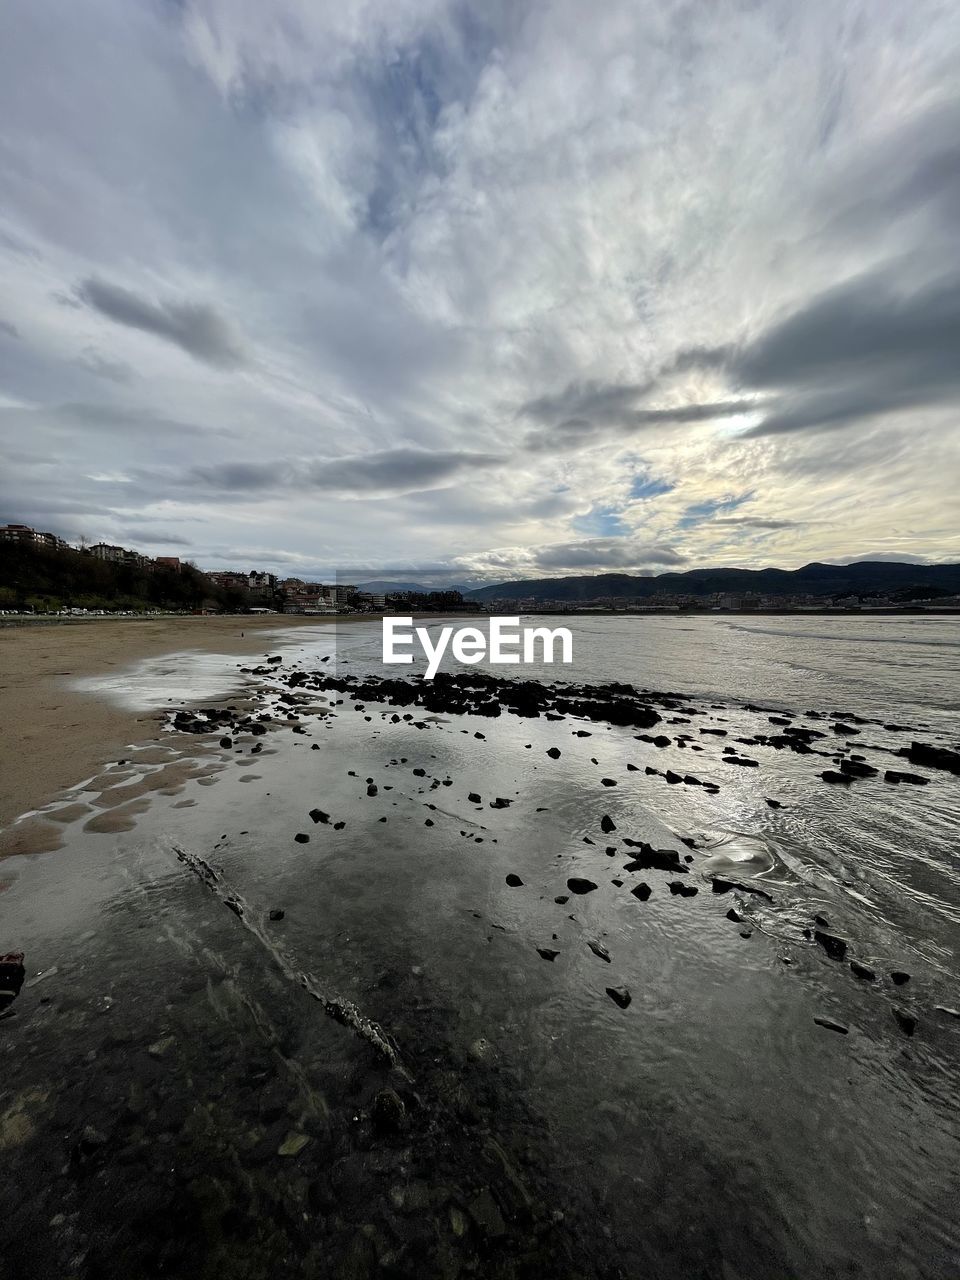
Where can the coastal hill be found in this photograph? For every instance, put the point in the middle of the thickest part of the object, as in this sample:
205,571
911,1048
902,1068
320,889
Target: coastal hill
862,577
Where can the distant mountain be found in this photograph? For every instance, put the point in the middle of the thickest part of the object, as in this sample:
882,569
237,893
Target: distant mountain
813,579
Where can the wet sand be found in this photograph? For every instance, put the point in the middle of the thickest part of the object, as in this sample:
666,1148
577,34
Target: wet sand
55,736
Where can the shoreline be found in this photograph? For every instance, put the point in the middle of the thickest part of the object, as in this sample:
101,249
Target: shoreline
56,735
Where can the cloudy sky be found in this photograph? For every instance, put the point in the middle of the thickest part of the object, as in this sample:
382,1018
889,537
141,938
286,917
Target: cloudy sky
482,290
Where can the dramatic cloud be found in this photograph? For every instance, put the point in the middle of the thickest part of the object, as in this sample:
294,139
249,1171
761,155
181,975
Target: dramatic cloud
195,327
605,553
392,471
489,290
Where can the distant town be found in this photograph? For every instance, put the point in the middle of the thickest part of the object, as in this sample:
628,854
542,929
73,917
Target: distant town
41,573
137,583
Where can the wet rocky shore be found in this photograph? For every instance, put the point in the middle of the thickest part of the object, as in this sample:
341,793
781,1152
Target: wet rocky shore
427,988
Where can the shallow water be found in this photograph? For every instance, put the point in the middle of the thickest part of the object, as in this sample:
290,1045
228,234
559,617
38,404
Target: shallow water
710,1128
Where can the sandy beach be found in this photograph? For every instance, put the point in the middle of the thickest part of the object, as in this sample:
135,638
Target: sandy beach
54,735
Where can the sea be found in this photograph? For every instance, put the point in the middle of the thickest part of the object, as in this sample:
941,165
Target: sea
353,1044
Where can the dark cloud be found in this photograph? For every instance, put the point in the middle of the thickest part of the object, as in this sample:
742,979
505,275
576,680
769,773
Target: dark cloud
194,327
396,470
756,522
868,347
9,329
389,471
613,416
605,553
592,400
242,477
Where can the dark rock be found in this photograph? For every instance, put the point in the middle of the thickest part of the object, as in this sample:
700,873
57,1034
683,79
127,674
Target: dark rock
905,1021
12,974
226,742
650,859
831,775
318,815
835,947
620,996
277,658
720,885
561,899
389,1112
500,803
474,798
672,778
734,915
607,824
914,779
862,971
857,769
933,757
684,890
302,838
486,1216
641,891
599,950
898,977
275,914
554,753
774,804
546,954
578,885
608,782
514,881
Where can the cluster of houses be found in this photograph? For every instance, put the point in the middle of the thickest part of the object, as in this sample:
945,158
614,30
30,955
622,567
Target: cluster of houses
292,595
22,535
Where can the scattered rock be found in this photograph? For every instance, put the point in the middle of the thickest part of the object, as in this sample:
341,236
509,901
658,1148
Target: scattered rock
554,753
684,890
641,891
862,971
898,977
275,914
547,954
599,950
835,947
389,1112
514,881
293,1144
905,1021
577,885
620,996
